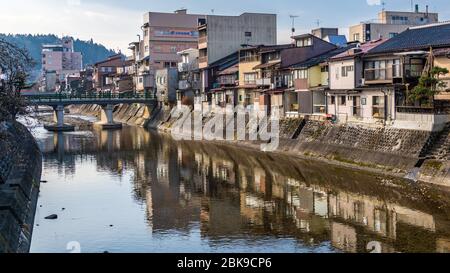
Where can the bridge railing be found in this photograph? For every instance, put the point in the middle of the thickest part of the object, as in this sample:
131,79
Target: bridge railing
90,96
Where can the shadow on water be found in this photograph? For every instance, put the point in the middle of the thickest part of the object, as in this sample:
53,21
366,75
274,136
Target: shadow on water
194,197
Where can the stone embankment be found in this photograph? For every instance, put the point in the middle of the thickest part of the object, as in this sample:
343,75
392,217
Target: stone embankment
396,151
20,174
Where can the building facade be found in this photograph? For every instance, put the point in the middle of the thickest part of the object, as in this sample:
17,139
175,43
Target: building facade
61,58
390,23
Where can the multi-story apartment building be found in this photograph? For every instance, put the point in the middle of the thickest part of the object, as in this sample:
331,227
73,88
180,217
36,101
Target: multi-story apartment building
220,36
390,24
166,85
188,77
105,71
61,58
166,34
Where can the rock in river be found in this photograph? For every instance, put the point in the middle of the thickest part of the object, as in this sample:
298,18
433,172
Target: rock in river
52,217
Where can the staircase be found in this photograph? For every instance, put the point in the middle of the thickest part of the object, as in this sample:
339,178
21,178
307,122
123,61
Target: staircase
441,147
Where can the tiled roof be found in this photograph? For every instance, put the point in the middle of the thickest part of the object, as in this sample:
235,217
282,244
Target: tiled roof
363,48
226,61
321,58
423,37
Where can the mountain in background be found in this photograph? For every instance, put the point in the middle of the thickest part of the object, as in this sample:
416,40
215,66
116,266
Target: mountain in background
92,52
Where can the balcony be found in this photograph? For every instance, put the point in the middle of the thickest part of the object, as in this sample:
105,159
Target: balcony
185,85
378,75
226,80
202,62
183,67
264,82
249,59
393,74
203,42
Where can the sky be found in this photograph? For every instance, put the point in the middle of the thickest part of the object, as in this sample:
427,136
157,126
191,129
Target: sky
116,23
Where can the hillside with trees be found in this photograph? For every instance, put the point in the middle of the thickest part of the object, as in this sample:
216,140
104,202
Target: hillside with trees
92,52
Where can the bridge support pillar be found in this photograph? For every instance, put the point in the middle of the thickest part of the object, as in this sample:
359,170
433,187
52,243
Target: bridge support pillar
58,117
107,118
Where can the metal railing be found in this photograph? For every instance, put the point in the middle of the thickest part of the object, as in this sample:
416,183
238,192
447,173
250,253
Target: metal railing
264,81
90,96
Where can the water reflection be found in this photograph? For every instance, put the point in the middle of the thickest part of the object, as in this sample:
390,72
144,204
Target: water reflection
204,197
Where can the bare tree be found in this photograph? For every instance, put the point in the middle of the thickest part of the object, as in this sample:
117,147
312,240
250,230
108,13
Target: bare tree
15,67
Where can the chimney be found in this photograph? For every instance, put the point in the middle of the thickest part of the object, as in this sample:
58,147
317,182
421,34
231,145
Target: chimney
417,8
427,11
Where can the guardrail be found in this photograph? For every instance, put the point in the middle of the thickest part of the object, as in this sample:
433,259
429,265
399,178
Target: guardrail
92,96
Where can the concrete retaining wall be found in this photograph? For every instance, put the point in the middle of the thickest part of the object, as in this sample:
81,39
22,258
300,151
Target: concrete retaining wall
19,187
388,148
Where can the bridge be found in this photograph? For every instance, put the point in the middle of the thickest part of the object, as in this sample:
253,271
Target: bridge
107,101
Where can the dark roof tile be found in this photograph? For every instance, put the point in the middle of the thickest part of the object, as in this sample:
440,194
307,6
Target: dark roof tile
435,35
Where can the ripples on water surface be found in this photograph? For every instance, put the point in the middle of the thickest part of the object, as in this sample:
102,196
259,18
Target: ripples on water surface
135,191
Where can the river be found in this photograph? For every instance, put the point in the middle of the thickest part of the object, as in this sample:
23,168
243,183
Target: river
133,190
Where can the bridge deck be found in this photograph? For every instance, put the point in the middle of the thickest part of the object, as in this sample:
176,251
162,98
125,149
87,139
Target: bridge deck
101,99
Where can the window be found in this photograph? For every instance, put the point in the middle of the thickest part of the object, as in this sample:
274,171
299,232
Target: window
141,79
343,100
377,101
301,74
250,78
173,49
346,70
146,32
392,34
333,100
324,69
146,48
304,42
248,34
356,37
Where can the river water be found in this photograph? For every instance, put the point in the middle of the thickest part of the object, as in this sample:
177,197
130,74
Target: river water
133,190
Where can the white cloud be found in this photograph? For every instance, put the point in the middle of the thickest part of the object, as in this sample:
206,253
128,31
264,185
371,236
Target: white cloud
373,2
103,23
74,2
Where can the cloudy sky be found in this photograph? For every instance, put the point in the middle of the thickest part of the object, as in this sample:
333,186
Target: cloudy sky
115,23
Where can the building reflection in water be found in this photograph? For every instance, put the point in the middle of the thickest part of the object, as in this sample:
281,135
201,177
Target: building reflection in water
232,194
